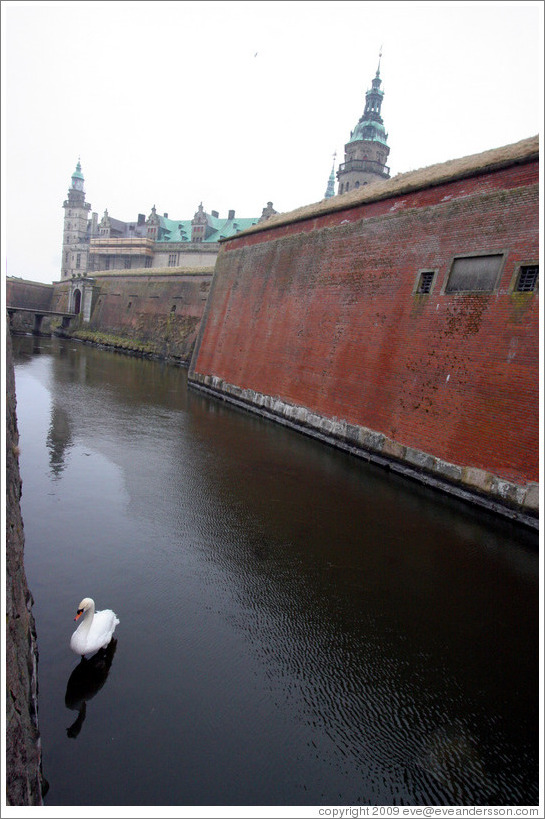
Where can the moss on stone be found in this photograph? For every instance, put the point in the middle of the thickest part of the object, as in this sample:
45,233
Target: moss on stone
117,342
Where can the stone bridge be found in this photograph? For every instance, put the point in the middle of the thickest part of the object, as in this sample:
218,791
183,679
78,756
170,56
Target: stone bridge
39,315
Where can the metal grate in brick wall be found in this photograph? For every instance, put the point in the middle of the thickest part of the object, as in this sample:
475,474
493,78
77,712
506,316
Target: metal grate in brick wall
527,279
426,281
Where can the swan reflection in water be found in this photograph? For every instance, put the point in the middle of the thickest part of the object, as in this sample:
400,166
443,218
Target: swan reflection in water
85,681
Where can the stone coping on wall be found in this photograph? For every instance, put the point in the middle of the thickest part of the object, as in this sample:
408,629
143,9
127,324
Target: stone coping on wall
20,280
477,486
151,272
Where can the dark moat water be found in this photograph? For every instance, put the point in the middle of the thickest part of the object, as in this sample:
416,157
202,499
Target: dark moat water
296,627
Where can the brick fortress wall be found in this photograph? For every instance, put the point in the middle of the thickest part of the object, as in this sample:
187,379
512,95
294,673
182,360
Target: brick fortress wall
316,320
163,309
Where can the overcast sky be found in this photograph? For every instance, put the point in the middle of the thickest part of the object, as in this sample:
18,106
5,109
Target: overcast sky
233,104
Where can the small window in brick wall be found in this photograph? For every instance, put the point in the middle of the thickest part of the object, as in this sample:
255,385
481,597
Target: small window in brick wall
474,273
527,278
425,281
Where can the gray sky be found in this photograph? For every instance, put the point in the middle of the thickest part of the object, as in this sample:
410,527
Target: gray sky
233,104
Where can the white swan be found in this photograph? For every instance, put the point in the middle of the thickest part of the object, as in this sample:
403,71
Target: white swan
95,630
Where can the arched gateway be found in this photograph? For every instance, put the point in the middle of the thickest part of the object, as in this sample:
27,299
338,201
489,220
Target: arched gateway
81,296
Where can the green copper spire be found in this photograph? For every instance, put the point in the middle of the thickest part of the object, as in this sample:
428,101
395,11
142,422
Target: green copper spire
77,178
331,182
77,173
370,126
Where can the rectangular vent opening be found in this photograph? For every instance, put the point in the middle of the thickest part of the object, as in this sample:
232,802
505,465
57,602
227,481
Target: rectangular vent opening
425,282
527,279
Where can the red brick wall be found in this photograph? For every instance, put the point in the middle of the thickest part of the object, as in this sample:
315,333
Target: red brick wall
323,315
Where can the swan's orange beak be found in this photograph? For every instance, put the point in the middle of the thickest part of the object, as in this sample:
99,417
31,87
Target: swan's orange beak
78,615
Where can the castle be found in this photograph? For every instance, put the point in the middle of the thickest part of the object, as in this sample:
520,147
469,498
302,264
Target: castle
91,246
420,354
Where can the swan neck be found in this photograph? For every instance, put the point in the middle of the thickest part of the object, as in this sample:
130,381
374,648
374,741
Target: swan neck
88,618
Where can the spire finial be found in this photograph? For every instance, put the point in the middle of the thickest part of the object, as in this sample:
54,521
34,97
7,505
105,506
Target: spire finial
379,59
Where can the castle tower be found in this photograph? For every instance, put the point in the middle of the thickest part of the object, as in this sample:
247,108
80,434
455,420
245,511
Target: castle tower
75,244
367,149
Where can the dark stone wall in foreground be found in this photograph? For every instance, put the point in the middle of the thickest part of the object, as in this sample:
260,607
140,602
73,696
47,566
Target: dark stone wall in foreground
24,782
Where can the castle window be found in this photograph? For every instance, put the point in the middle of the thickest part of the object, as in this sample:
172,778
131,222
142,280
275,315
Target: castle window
425,281
148,262
127,262
78,260
527,278
172,259
474,273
